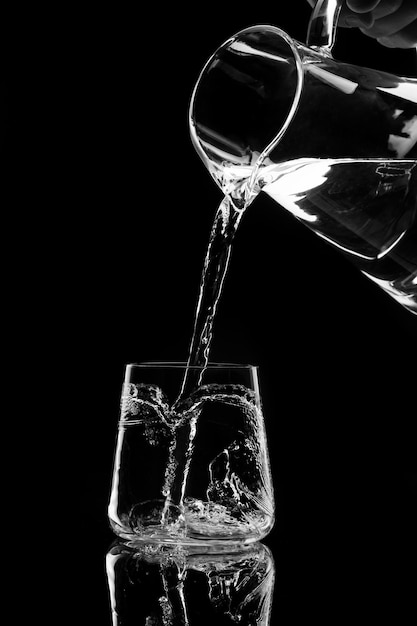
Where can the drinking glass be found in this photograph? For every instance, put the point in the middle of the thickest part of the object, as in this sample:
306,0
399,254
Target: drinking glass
191,468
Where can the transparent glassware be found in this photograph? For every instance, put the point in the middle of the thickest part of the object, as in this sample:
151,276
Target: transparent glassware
158,584
191,468
332,143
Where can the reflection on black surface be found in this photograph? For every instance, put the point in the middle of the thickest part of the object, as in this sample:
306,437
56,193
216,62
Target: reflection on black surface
153,585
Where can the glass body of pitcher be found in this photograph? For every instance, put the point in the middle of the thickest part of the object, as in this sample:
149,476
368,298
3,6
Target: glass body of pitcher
332,143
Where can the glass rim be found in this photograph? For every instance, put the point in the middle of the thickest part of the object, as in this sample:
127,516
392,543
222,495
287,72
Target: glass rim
183,364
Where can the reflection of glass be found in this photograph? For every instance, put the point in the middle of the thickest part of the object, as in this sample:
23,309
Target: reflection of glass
193,469
332,143
161,585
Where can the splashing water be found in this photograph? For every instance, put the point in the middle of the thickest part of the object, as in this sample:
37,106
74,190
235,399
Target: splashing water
221,429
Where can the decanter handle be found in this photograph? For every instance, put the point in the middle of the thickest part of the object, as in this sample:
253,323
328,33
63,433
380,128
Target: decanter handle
322,26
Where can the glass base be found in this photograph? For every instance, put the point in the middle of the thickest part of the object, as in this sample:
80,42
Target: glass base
225,539
405,292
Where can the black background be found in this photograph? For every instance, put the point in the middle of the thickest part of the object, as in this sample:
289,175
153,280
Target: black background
106,228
